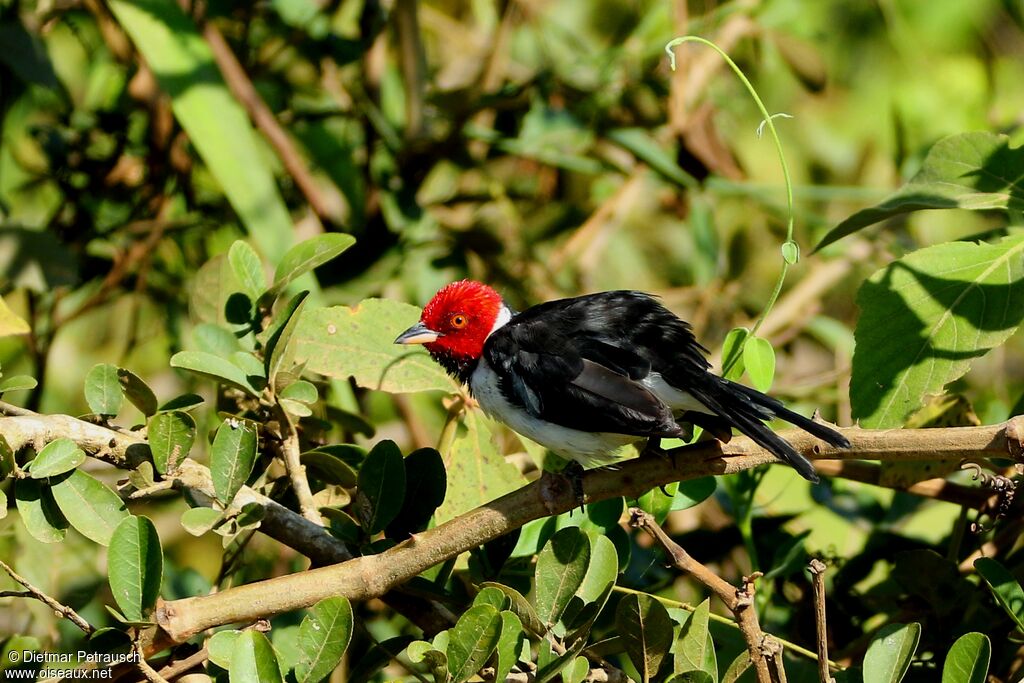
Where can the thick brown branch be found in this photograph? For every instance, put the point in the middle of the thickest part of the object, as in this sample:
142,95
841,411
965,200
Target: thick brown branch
371,576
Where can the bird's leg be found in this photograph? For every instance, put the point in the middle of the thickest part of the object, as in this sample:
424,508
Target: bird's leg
653,447
574,473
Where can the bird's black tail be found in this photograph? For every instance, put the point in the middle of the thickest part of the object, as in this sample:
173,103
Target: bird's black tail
746,409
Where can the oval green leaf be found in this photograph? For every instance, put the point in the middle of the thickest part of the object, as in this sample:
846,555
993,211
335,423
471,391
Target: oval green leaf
253,659
302,391
221,645
280,339
508,644
328,468
646,630
323,637
889,654
561,567
215,368
381,487
232,457
137,392
103,390
694,650
197,521
57,457
732,353
171,436
472,641
39,513
307,255
425,485
521,607
135,565
759,360
1006,589
18,383
89,505
248,269
967,661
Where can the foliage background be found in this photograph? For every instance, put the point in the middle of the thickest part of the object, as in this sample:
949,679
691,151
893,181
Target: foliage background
542,147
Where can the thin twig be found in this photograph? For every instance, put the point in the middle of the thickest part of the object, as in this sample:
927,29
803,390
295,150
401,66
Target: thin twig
740,601
33,592
817,569
290,451
149,672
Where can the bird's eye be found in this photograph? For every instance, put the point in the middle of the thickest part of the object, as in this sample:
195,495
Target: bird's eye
458,321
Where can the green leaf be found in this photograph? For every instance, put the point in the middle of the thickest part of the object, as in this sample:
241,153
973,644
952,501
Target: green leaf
248,269
57,457
791,252
602,570
10,322
736,668
377,658
18,383
197,521
307,255
508,644
302,391
103,390
253,659
220,646
3,504
657,503
137,391
422,652
561,567
646,631
472,640
381,487
342,342
92,508
279,342
759,361
477,472
694,651
732,353
967,661
135,565
171,436
39,513
576,671
965,171
425,485
889,654
232,457
323,637
216,124
215,368
328,468
693,677
1006,589
521,607
693,492
183,402
213,338
926,317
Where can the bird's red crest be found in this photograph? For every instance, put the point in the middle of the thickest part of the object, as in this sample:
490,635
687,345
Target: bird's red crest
463,313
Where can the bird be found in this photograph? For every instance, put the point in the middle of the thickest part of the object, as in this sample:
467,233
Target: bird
587,375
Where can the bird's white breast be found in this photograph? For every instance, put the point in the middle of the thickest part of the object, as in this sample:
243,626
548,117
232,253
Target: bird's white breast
590,449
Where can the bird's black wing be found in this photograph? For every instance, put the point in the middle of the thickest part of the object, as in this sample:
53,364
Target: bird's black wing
571,362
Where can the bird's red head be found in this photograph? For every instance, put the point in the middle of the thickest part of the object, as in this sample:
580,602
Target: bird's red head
457,321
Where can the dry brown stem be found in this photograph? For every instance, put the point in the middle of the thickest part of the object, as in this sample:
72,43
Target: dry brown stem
817,569
36,594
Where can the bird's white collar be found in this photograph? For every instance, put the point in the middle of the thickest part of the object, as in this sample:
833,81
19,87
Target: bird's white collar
504,315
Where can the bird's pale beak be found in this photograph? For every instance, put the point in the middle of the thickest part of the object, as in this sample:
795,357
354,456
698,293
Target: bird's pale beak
417,334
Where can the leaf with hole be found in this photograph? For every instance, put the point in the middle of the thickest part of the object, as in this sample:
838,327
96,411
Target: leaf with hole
381,487
232,457
89,505
890,652
135,565
57,457
323,638
103,390
926,318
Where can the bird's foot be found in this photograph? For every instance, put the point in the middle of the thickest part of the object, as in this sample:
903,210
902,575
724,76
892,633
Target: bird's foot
653,447
553,486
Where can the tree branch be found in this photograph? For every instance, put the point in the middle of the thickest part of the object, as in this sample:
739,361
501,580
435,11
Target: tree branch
36,594
371,576
817,569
